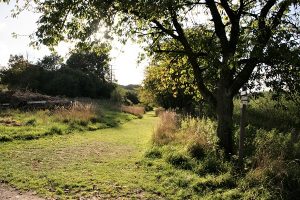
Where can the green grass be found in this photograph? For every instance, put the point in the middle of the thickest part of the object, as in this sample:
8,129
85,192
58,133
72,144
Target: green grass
109,163
37,124
120,161
101,162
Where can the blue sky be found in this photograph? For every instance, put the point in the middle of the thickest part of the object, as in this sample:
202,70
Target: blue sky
124,57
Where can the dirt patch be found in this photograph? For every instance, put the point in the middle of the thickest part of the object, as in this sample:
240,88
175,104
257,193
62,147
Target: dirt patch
9,193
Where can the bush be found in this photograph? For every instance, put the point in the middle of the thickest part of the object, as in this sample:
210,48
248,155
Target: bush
132,97
55,131
31,122
265,113
117,95
277,159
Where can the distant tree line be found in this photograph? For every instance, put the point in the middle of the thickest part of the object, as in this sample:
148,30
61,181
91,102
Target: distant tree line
85,74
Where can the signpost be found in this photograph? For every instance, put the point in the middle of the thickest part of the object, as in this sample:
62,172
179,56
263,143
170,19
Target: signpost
244,100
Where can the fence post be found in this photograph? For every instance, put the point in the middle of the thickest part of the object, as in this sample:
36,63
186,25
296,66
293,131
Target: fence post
244,100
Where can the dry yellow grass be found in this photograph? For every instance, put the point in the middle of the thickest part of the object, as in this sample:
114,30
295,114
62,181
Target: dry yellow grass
77,111
134,110
158,111
166,128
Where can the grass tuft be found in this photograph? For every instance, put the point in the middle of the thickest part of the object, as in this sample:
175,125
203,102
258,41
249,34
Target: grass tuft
166,128
76,112
159,111
138,111
153,153
180,161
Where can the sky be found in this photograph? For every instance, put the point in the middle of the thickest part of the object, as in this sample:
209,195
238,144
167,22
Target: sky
124,57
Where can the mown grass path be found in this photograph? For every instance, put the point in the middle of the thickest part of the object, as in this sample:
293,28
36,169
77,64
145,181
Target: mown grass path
102,164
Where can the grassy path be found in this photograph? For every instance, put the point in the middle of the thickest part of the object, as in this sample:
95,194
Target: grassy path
101,164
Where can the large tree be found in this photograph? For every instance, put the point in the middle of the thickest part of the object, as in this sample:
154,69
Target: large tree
93,60
240,33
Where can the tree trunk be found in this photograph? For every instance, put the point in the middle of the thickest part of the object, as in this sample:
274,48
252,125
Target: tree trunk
225,122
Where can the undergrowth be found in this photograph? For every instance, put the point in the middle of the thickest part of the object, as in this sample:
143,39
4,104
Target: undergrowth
271,169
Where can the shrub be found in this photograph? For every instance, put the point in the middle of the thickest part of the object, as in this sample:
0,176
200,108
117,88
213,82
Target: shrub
117,95
132,97
75,82
166,128
266,113
213,165
5,138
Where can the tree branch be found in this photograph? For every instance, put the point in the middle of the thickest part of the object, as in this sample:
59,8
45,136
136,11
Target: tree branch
192,56
219,26
228,10
264,36
167,31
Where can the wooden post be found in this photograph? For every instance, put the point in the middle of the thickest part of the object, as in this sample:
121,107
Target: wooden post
242,134
244,100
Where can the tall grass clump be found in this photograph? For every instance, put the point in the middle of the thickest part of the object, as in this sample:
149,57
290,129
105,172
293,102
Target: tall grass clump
78,111
138,111
166,128
158,111
199,135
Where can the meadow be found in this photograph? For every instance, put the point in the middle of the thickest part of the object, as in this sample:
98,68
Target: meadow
169,156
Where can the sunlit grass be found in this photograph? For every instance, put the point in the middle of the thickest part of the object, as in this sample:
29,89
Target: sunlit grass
80,116
102,163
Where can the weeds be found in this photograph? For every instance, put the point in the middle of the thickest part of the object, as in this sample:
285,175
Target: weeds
180,161
166,129
134,110
153,153
77,112
272,166
159,111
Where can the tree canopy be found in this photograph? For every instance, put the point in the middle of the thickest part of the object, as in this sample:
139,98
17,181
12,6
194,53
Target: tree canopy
92,61
49,75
